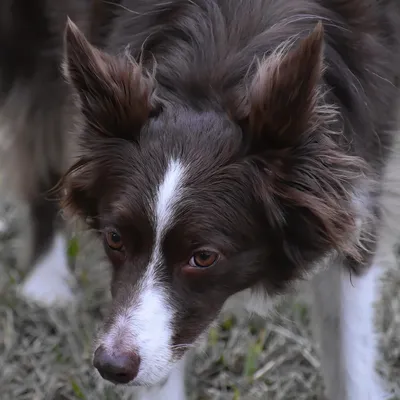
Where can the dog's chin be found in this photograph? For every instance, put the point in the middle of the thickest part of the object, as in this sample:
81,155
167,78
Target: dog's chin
148,381
137,383
148,384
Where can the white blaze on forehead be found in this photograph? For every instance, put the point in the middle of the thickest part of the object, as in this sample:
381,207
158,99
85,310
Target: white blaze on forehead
168,195
146,325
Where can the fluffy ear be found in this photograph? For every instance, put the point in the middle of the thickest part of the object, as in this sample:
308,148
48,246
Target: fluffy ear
114,94
283,93
304,179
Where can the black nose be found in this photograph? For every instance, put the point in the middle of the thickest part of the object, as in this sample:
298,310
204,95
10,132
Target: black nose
116,367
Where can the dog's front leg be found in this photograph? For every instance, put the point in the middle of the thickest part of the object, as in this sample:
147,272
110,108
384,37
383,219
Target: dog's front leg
172,389
343,317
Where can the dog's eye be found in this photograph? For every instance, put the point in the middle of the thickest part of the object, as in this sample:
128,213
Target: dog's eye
203,259
114,240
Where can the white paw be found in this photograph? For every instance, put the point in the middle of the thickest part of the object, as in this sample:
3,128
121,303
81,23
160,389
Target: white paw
46,290
50,282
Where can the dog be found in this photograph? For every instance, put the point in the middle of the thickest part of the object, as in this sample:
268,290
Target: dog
223,151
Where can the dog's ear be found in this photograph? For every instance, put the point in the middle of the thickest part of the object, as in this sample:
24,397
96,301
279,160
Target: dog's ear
300,173
283,93
113,92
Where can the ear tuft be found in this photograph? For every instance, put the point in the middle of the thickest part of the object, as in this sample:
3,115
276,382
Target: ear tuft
284,91
74,38
302,174
114,93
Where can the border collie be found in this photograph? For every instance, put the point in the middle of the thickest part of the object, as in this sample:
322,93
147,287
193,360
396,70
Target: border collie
221,150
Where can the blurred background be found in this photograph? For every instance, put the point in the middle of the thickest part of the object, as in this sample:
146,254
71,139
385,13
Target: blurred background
46,354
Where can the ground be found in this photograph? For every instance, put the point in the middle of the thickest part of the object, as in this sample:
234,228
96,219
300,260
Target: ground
46,355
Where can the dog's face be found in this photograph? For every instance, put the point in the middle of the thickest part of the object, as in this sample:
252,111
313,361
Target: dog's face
195,206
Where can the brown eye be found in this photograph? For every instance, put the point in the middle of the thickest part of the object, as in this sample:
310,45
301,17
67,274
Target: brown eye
114,240
203,259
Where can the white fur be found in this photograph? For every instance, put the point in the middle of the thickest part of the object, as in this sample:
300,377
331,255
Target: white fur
343,319
173,388
49,283
145,327
169,193
146,324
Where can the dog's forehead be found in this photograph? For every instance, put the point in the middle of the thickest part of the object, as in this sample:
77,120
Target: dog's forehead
149,195
172,169
191,136
144,227
168,194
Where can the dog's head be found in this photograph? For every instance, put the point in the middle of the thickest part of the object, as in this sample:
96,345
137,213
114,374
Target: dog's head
195,205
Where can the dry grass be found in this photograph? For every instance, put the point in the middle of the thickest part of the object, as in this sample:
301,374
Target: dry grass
47,354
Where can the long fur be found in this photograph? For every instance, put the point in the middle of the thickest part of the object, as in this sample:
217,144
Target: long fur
262,132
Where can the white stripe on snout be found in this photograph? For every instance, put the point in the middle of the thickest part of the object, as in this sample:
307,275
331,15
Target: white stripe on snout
146,325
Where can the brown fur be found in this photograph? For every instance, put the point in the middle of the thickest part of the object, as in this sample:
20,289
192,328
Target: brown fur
278,117
283,114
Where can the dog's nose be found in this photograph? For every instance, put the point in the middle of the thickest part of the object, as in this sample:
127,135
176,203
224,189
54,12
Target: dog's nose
116,367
